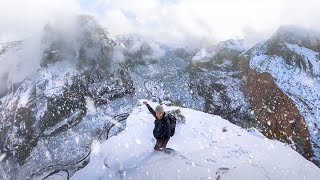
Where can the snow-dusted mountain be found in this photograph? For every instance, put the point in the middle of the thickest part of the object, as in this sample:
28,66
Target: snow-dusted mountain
292,57
67,87
46,118
206,147
218,82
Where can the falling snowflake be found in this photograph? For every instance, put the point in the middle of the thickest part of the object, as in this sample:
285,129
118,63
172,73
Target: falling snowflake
2,156
292,121
138,141
48,154
90,105
269,123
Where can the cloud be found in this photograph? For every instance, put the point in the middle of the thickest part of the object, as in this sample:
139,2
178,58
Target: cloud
25,20
21,19
187,21
176,22
170,21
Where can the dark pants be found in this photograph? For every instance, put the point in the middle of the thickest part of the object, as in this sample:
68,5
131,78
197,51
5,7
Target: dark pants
160,145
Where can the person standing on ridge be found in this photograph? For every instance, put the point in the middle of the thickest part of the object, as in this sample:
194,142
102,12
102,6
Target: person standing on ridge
162,127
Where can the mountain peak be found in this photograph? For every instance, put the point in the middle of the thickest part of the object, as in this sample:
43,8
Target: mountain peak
298,35
235,44
81,40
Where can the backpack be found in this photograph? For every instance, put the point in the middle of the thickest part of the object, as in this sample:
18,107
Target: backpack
173,121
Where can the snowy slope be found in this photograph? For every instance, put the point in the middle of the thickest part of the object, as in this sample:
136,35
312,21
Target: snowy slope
207,147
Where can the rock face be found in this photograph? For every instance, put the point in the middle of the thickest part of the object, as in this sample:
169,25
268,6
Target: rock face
278,116
25,123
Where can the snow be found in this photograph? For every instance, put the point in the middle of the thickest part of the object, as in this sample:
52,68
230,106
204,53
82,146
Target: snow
21,97
203,55
20,61
56,76
155,51
239,45
24,96
59,176
90,105
67,147
309,55
60,124
207,147
2,156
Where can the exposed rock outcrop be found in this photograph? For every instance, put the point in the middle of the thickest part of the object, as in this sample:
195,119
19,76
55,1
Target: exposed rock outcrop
278,116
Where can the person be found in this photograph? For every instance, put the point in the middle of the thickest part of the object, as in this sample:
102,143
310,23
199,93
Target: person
162,130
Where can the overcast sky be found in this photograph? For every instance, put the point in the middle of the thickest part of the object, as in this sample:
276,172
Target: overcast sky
173,21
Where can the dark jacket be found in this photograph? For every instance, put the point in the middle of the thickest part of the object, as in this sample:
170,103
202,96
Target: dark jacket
162,128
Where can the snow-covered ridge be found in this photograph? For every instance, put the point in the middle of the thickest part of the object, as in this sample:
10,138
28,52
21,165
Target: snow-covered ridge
310,56
207,147
238,45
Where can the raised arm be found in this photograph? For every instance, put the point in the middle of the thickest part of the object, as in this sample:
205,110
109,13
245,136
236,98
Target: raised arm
150,108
